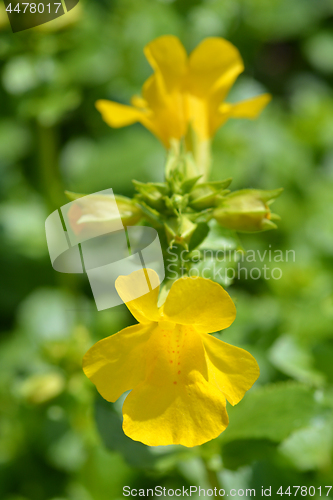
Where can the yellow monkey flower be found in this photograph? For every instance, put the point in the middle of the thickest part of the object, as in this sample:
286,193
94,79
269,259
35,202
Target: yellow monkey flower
179,376
185,90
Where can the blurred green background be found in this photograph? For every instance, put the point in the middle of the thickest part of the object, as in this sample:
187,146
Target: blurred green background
52,139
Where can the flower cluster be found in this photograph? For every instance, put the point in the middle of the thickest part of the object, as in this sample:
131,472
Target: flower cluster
179,375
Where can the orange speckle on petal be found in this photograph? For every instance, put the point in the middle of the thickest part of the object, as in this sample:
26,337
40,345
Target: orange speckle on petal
175,382
178,372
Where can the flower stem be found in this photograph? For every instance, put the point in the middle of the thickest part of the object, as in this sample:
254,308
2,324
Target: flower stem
48,162
212,477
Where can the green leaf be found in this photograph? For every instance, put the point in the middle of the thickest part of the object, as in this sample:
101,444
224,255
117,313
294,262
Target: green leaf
309,448
272,412
199,235
109,424
220,238
319,51
245,451
289,356
323,355
216,270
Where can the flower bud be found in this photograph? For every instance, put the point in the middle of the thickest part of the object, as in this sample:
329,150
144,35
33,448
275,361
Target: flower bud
152,193
205,194
247,210
90,214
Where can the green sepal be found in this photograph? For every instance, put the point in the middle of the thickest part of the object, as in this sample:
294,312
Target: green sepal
179,230
150,212
266,195
187,186
152,193
176,204
202,216
267,224
74,196
205,195
161,187
270,195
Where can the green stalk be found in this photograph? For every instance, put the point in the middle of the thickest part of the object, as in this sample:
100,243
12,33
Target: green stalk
212,476
50,181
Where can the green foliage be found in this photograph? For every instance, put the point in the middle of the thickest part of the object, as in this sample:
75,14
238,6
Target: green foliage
109,425
310,448
272,412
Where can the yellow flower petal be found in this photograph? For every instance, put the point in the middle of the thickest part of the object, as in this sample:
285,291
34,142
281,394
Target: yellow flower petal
139,291
118,363
185,91
138,102
199,116
168,58
163,90
119,115
214,65
167,117
189,416
250,108
231,369
179,377
199,302
175,404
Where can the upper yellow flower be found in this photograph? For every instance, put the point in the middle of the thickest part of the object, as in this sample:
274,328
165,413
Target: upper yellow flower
179,375
185,90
